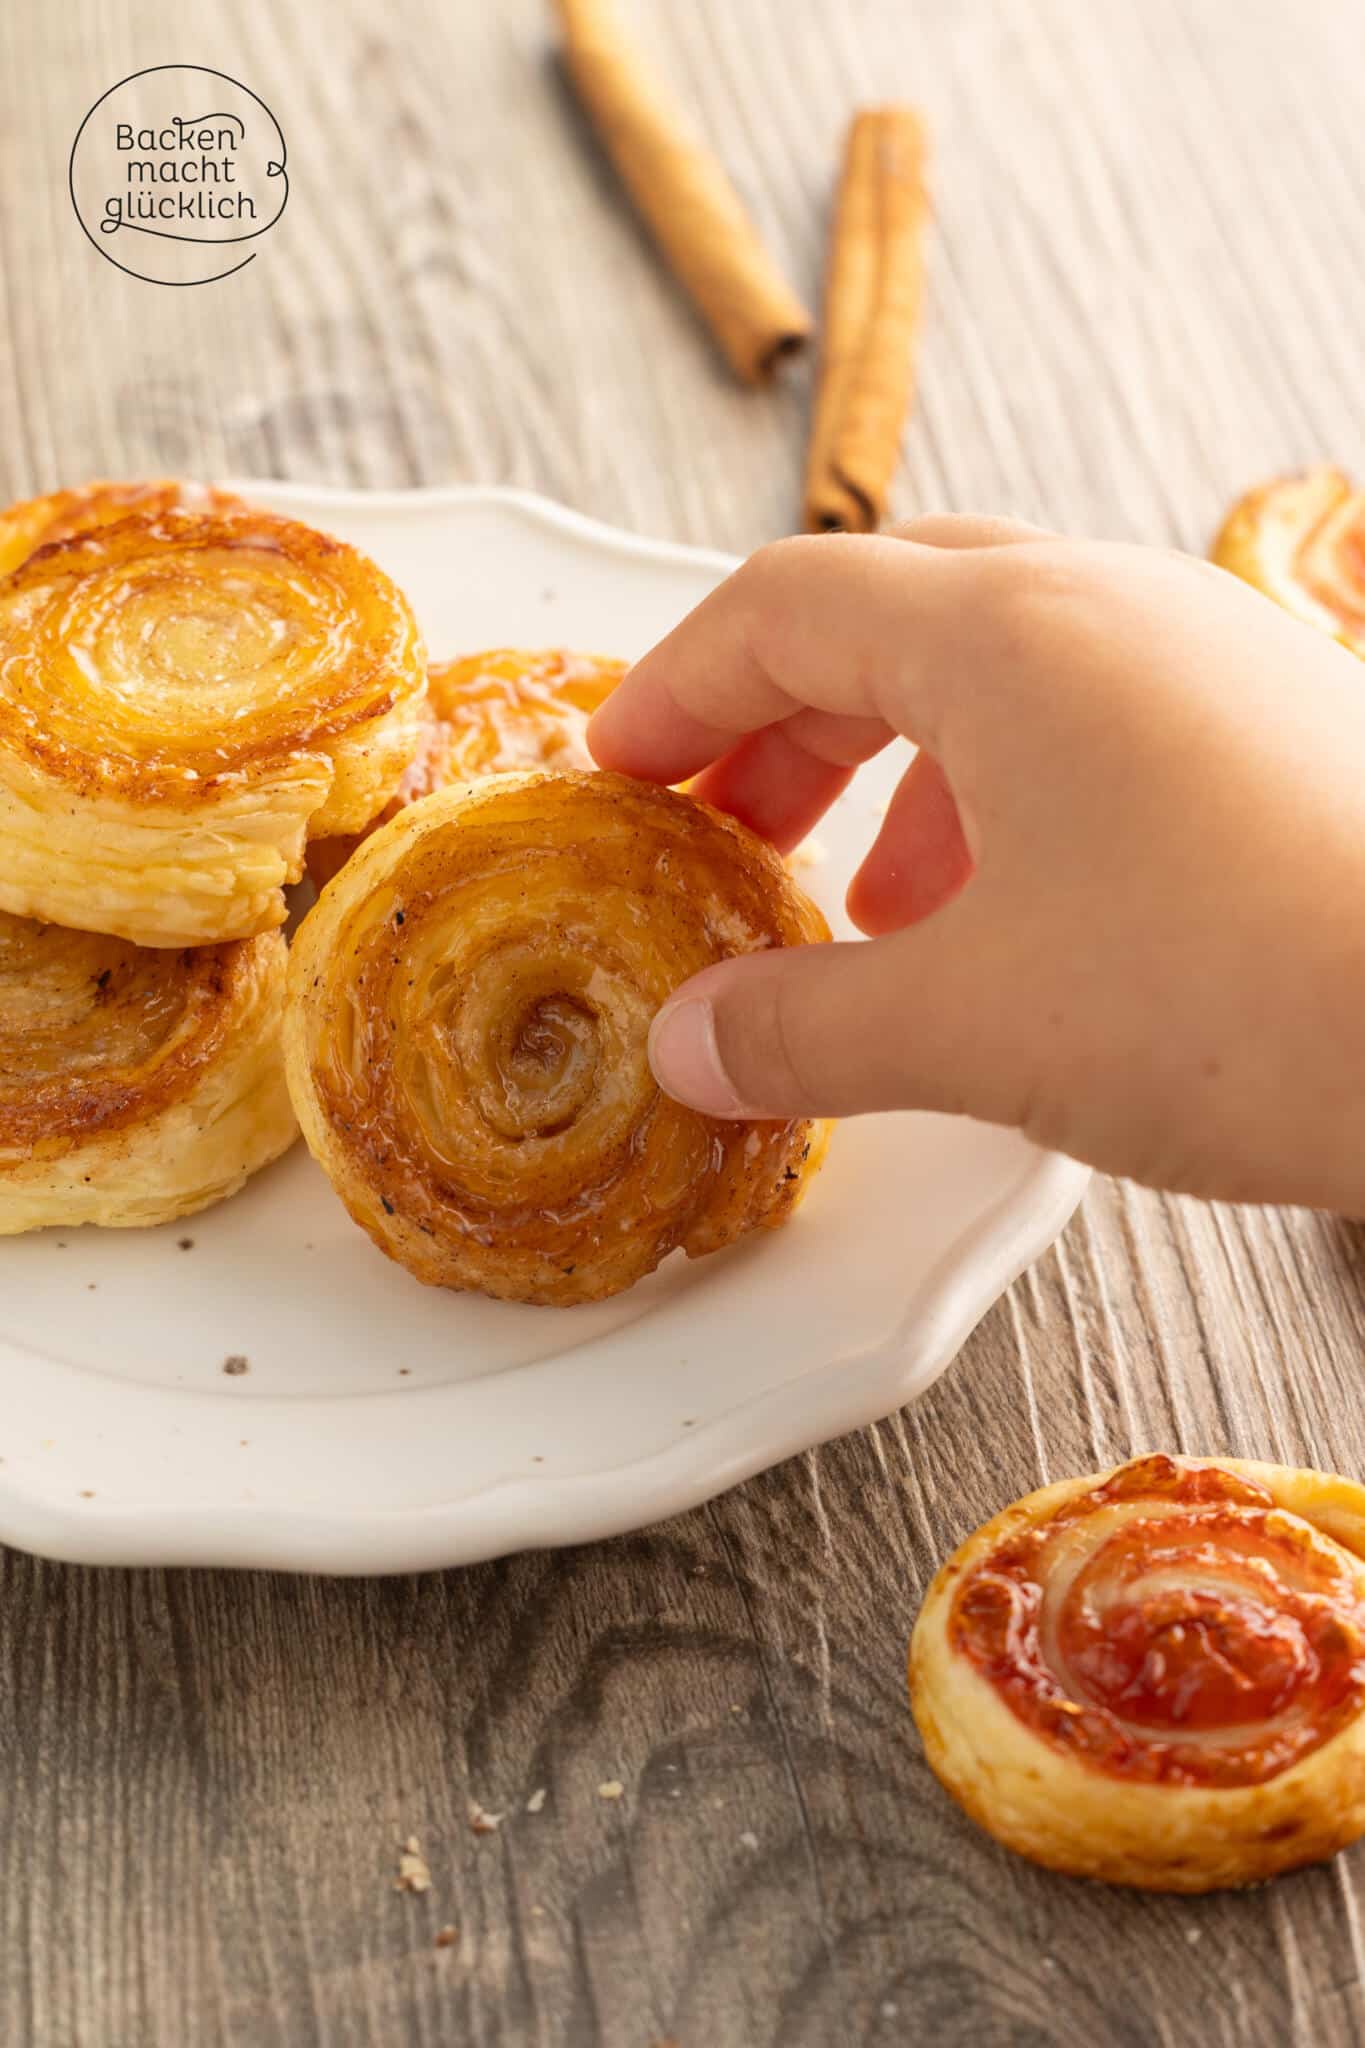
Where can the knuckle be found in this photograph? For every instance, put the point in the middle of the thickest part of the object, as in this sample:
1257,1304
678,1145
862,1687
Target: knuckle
773,563
1037,600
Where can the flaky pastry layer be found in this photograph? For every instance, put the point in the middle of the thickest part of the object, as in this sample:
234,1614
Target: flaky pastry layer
1301,540
465,1035
183,698
496,713
1155,1677
60,515
136,1084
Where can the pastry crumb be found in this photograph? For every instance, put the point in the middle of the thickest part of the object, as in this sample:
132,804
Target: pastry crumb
414,1874
482,1821
748,1840
446,1937
235,1365
612,1788
536,1800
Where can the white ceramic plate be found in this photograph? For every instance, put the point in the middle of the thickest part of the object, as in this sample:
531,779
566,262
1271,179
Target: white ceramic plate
385,1426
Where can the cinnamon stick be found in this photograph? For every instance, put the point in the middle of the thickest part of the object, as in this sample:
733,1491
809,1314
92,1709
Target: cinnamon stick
685,197
873,290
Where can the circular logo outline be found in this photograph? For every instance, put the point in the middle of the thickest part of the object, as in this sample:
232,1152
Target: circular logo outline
180,283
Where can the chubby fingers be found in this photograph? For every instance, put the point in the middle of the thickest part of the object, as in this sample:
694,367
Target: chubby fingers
781,781
921,858
860,627
910,1021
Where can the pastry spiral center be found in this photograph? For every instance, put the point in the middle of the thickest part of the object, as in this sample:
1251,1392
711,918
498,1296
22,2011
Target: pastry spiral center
168,637
1173,1624
543,1067
213,638
1171,1652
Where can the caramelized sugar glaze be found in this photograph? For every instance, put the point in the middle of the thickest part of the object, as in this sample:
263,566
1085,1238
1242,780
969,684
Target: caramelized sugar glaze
183,697
466,1034
61,515
136,1084
492,714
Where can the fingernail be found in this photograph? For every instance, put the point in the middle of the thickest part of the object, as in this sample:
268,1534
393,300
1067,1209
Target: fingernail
686,1059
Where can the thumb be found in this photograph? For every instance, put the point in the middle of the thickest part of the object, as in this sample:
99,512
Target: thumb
902,1022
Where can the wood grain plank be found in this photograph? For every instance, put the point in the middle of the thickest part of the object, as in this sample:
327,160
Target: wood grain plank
1144,292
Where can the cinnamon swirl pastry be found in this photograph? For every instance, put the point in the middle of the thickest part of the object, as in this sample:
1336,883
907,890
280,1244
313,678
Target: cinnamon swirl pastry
1157,1677
488,714
1301,540
183,697
26,527
466,1024
135,1085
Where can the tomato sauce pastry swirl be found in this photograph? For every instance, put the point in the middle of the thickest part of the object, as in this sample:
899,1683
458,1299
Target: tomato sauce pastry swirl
1156,1676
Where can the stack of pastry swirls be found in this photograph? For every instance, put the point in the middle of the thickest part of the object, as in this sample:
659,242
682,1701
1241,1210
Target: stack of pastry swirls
188,688
196,697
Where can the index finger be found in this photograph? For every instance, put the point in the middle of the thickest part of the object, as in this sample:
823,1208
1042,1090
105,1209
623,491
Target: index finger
860,625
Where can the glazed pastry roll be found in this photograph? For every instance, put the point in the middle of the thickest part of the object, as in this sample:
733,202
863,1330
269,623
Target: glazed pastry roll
1157,1677
136,1085
465,1034
1301,540
26,527
183,698
489,714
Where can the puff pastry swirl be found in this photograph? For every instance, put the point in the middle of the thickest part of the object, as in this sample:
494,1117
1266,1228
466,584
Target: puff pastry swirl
1156,1677
466,1025
60,515
1301,540
135,1084
492,714
183,697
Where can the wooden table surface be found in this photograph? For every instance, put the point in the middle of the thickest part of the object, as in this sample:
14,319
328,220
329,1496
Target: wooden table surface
1148,291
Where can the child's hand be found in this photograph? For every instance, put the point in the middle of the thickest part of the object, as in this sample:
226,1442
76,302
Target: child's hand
1151,783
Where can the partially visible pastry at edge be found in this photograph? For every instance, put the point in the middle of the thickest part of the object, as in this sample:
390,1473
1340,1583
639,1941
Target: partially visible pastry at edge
60,515
1301,540
183,698
136,1085
465,1034
492,714
1156,1677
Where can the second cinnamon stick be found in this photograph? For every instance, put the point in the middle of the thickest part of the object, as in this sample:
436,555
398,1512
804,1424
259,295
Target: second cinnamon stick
873,291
